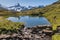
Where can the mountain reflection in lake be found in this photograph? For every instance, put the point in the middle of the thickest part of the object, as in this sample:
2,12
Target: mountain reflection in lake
30,21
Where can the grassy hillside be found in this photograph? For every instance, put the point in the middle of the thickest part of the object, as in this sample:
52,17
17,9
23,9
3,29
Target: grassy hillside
52,12
7,26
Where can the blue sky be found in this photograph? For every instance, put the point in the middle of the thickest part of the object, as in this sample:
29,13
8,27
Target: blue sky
26,2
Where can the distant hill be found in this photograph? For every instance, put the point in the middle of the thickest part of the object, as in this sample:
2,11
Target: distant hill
2,8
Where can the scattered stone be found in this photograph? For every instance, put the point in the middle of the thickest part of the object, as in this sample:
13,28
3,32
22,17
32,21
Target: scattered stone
35,33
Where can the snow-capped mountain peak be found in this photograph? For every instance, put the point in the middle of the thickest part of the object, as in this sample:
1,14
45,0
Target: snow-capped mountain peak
17,7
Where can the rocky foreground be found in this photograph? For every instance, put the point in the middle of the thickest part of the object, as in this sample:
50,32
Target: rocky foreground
34,33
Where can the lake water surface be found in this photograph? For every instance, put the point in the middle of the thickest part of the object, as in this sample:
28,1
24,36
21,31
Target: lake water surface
30,21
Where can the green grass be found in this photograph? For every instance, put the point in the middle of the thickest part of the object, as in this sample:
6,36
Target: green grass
6,26
56,37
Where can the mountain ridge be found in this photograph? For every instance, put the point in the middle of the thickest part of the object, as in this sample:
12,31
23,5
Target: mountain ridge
18,7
